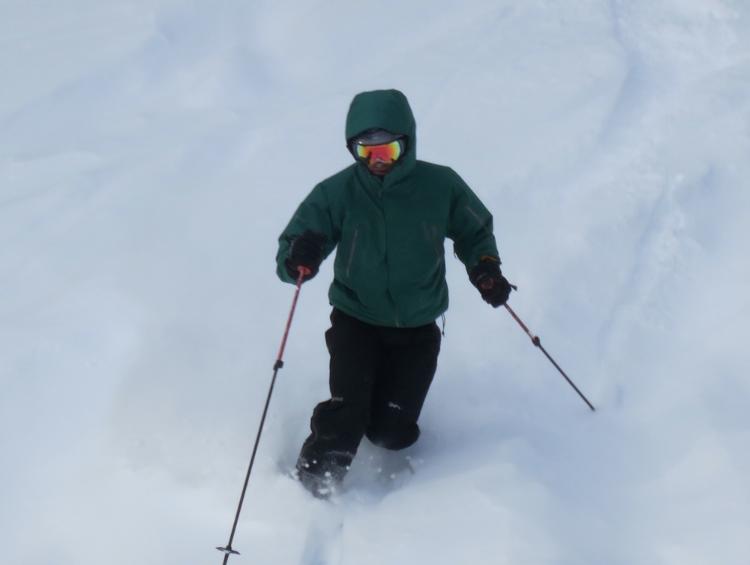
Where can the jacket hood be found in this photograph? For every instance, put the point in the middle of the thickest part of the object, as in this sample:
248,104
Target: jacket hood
384,109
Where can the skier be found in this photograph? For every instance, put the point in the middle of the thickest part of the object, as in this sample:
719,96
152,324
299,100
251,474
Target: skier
388,214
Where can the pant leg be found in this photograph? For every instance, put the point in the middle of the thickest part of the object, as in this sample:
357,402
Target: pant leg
401,386
338,424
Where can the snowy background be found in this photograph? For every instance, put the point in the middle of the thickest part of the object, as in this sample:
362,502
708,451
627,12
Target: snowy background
150,153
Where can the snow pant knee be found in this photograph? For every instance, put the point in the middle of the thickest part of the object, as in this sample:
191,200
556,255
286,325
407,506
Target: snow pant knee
393,433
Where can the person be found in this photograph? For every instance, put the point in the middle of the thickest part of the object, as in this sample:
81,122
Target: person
387,215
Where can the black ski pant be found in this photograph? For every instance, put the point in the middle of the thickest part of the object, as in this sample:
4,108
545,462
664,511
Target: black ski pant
379,378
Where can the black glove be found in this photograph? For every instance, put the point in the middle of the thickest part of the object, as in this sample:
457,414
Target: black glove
492,285
306,251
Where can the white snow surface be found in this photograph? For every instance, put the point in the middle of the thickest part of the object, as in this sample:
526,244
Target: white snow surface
151,151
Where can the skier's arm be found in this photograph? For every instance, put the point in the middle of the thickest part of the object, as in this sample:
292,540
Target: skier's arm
313,215
470,226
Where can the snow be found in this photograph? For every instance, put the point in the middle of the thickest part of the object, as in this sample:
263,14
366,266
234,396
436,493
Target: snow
152,150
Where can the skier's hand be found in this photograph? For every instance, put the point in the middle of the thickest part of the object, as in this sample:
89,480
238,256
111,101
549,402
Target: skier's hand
305,251
489,280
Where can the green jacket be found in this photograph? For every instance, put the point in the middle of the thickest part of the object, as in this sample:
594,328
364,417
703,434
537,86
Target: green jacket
390,265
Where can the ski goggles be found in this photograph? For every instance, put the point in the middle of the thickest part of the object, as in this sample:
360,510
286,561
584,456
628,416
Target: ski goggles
387,152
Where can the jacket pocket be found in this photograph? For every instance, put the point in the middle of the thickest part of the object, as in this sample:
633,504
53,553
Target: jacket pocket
433,240
352,252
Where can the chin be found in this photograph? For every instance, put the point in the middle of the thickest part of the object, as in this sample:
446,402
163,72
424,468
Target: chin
381,172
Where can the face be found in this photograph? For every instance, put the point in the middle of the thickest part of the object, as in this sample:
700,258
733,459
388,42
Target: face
378,166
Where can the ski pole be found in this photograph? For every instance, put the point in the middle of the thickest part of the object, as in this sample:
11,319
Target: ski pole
538,343
228,550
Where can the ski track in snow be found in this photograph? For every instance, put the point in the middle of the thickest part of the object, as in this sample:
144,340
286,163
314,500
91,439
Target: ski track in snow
151,152
322,540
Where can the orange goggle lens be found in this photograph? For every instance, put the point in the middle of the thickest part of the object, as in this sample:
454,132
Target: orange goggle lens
387,152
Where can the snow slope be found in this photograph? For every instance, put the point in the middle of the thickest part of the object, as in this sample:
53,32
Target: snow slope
152,150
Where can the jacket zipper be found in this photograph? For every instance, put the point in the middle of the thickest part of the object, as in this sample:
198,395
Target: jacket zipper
388,293
395,311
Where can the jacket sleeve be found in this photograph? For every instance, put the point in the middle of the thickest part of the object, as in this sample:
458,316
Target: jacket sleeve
313,214
470,226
